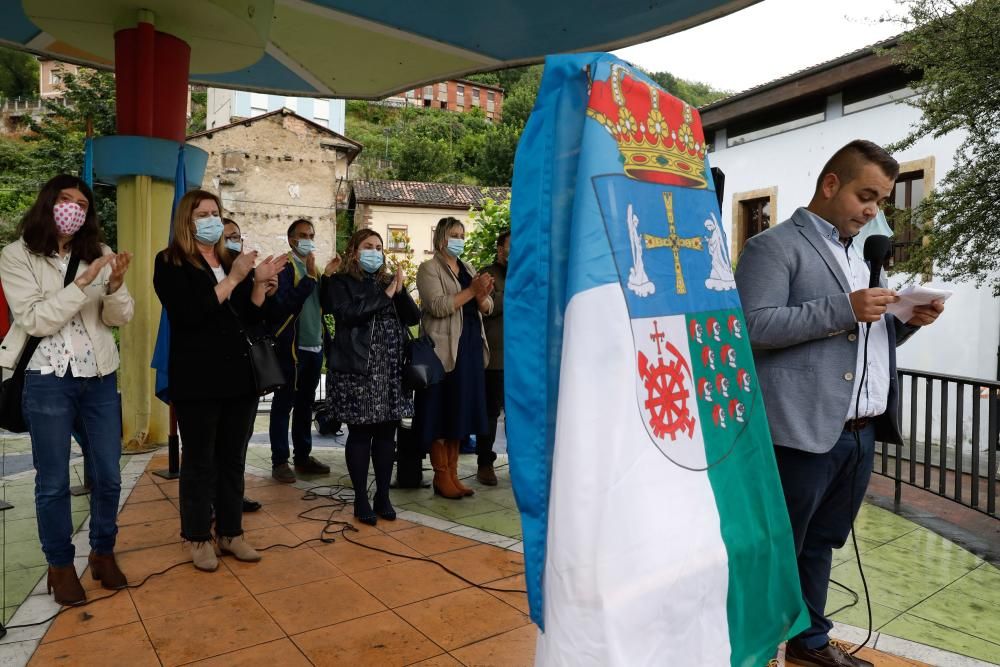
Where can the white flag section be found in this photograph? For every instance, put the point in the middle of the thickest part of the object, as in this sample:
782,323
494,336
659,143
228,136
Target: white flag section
636,572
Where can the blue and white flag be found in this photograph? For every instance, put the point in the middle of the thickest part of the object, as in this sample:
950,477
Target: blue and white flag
655,531
161,349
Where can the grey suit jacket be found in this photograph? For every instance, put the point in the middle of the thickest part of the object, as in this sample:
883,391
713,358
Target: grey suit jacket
805,337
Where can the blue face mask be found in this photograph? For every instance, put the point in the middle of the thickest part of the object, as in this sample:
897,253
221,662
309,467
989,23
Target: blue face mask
208,230
456,247
235,246
305,246
371,260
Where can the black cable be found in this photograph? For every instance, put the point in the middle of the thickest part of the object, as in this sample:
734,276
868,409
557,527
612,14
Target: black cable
326,537
854,477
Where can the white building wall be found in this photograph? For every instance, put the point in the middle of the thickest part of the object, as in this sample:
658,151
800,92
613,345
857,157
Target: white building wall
226,105
964,341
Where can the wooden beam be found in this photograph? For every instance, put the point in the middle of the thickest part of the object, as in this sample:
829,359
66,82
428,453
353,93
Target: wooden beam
809,85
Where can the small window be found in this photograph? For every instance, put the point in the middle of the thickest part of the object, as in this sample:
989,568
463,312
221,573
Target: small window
757,214
753,212
906,196
460,89
399,239
490,95
54,78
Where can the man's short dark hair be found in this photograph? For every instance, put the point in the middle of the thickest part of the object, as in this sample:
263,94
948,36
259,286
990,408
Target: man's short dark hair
502,237
847,162
300,221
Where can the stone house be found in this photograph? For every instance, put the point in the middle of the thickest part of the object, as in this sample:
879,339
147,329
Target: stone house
406,213
275,168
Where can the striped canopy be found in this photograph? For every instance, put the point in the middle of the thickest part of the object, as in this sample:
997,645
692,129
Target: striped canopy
349,48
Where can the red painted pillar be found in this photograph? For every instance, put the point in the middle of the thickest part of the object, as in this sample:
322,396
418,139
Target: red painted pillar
151,79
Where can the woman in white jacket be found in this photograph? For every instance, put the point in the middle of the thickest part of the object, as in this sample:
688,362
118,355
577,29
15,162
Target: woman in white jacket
70,382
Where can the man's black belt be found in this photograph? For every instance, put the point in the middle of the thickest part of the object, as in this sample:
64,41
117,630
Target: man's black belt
859,424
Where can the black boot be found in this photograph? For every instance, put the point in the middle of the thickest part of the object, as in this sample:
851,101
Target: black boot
357,452
383,456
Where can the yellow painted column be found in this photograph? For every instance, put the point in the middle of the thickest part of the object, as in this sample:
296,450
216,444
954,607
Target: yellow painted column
144,205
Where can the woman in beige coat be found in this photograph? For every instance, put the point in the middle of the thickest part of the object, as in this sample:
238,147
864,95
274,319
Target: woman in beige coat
66,290
453,299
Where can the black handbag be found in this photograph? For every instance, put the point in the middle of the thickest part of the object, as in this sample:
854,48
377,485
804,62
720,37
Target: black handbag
12,389
421,368
267,373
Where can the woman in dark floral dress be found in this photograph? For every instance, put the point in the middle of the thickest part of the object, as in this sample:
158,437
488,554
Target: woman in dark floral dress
370,307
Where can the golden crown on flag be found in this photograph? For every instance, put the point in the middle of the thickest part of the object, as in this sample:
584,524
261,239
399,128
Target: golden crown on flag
659,137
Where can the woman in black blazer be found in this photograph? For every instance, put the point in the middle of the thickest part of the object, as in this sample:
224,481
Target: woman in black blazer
370,307
211,296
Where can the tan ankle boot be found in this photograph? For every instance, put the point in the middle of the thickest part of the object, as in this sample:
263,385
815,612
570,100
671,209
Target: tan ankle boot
203,556
443,484
453,446
239,547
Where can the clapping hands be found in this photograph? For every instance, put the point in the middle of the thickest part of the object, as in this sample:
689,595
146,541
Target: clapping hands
482,286
398,282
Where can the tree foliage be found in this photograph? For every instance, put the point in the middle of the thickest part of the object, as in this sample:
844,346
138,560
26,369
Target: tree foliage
435,145
955,46
481,242
18,74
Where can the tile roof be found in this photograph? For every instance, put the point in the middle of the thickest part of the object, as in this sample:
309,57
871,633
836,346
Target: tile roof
415,193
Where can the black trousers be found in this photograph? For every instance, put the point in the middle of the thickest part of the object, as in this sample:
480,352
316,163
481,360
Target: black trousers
494,404
823,493
214,435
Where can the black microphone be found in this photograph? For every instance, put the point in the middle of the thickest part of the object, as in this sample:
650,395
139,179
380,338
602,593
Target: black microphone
877,249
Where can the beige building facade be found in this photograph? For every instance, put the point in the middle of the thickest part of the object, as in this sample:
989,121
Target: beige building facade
405,213
273,169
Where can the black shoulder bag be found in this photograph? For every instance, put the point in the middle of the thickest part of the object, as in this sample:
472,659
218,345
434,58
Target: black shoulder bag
267,373
421,366
12,389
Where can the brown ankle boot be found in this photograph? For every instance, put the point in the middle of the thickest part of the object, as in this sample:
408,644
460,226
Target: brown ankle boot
104,568
443,484
453,468
66,584
486,475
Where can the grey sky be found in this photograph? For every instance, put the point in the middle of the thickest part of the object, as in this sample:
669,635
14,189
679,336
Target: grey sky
767,40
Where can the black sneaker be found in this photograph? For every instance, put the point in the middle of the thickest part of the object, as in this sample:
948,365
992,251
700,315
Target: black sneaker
312,467
250,505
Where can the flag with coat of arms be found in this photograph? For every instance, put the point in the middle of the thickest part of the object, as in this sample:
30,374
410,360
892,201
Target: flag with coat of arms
655,531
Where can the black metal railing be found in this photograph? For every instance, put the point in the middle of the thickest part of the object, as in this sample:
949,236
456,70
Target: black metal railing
950,428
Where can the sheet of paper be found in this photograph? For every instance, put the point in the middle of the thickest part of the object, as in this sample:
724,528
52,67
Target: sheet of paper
915,295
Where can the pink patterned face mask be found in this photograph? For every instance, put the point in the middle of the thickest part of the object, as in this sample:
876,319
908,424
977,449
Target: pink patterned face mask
69,217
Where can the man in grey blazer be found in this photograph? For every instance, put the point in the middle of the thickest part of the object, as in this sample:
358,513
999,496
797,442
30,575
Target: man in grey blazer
825,352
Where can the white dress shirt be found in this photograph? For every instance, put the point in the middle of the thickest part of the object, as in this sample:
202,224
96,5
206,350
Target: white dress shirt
875,392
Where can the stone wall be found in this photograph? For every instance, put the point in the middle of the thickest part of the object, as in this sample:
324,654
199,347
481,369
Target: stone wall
274,170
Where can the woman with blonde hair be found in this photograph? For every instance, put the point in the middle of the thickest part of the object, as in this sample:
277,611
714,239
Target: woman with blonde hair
66,291
370,307
211,296
454,300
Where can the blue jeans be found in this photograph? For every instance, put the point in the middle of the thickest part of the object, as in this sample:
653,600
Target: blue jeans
295,399
823,493
54,407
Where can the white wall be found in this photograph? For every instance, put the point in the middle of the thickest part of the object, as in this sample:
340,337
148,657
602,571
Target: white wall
964,340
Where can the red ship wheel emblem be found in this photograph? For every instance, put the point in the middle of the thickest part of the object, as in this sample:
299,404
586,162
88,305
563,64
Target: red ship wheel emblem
667,389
